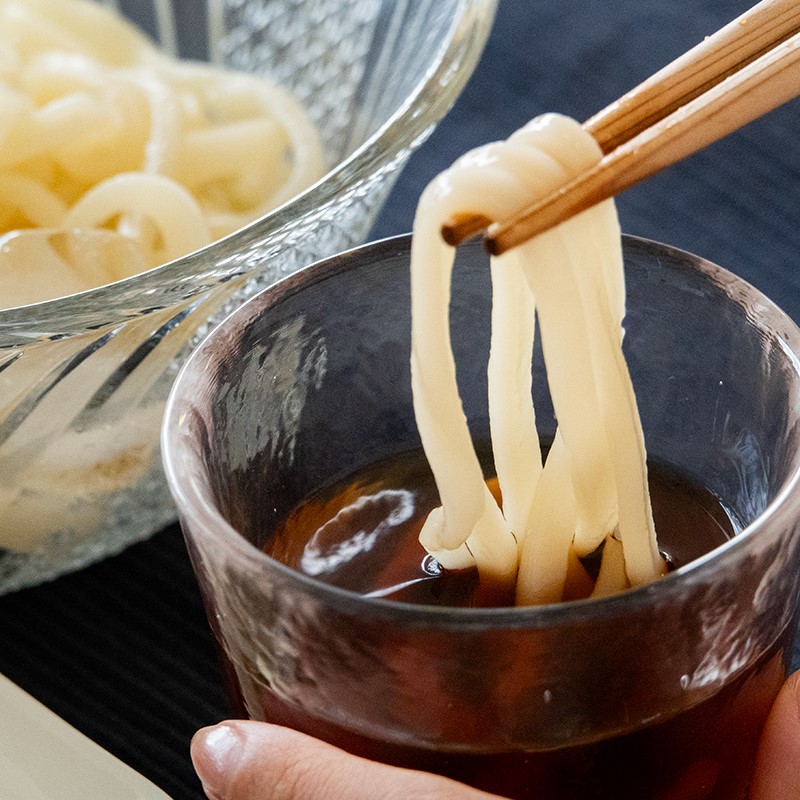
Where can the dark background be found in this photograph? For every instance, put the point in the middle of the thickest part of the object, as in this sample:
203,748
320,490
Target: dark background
121,649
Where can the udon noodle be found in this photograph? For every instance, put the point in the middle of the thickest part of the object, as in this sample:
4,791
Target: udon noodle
591,491
98,129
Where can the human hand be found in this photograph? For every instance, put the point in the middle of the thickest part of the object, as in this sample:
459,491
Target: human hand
777,775
255,761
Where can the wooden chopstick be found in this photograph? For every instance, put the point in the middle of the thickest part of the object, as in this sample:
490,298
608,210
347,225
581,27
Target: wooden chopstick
719,56
730,49
766,83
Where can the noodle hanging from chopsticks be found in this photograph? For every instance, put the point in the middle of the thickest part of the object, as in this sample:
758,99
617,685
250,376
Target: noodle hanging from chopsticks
591,490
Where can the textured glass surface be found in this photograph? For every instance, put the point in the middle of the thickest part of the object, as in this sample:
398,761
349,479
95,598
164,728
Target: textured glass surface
311,381
83,379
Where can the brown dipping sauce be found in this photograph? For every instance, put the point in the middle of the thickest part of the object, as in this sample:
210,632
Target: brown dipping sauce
362,534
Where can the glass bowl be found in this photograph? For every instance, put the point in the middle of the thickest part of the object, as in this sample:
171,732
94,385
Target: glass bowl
83,378
309,384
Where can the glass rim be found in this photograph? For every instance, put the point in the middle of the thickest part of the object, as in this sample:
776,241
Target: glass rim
411,122
194,504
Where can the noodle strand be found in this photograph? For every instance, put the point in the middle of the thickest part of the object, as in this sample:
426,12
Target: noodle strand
87,103
593,486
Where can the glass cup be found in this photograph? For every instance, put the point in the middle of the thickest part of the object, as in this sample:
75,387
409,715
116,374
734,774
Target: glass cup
660,692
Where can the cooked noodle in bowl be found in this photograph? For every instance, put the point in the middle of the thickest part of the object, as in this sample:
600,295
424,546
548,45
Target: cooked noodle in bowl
101,130
185,228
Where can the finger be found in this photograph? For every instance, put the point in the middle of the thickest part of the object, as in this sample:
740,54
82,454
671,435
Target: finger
777,773
256,761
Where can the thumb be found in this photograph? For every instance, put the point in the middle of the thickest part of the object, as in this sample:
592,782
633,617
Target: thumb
777,773
255,761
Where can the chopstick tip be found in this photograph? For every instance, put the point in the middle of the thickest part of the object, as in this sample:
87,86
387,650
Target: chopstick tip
493,241
461,227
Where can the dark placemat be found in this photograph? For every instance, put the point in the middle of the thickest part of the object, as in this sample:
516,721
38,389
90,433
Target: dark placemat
121,649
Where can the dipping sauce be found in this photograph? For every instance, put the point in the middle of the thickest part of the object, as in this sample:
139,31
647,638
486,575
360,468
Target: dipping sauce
362,533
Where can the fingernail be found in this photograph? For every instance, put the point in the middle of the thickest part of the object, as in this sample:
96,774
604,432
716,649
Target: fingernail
216,752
